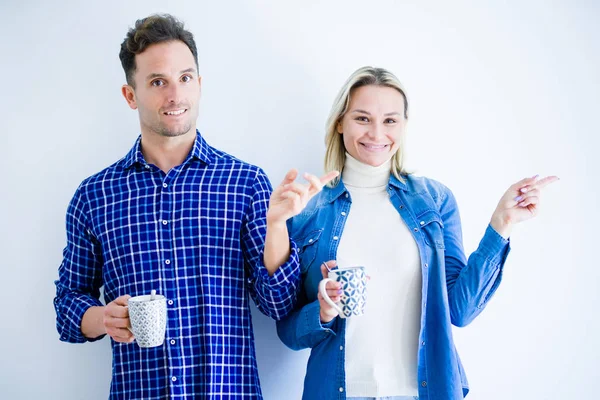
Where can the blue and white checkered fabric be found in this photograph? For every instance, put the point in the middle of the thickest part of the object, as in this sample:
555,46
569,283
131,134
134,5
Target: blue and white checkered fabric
196,235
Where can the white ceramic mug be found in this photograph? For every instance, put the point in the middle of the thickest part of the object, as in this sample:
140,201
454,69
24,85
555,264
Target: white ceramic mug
148,319
354,290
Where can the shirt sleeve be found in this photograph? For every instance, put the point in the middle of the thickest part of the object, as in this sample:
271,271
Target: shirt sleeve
303,328
79,275
470,282
275,295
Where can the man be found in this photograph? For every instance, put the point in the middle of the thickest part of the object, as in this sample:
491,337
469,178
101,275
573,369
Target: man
187,220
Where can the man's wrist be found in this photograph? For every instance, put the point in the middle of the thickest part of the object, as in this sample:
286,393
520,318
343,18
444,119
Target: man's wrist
92,323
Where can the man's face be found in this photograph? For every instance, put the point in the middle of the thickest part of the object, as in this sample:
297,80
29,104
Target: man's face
167,89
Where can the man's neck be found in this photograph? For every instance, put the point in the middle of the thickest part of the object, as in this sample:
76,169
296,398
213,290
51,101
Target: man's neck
167,152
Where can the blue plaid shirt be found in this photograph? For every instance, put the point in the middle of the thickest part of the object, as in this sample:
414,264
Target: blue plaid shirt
196,235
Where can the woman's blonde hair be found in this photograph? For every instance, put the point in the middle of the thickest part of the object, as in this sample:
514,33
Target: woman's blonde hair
335,153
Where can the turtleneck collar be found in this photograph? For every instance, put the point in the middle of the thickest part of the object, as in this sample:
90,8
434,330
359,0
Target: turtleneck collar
359,175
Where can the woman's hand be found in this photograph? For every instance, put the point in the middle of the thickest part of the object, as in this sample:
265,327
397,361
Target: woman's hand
520,203
334,290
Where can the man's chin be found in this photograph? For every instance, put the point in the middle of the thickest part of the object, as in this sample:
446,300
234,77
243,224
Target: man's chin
174,132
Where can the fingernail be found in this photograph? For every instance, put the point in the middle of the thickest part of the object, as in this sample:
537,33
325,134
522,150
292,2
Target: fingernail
339,291
521,205
523,190
535,176
518,198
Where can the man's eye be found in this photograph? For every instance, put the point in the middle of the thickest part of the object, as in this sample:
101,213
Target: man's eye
186,78
157,82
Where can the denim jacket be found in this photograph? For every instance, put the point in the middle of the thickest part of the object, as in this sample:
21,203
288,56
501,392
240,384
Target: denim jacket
454,290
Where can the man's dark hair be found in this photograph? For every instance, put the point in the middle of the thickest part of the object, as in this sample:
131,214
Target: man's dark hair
154,29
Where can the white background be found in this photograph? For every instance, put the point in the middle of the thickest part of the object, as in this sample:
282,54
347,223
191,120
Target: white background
497,92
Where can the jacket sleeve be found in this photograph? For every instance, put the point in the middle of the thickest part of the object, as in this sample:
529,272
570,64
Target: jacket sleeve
470,283
302,328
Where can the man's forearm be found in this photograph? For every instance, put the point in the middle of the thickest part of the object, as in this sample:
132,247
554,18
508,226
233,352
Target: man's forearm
277,246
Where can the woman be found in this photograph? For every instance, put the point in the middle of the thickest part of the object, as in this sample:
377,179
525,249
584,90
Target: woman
421,282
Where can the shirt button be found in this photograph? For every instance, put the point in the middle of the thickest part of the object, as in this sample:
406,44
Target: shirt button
422,343
426,265
344,213
165,185
416,229
423,383
341,347
147,166
310,240
172,341
422,223
401,207
341,389
346,195
167,262
165,222
170,302
173,378
335,238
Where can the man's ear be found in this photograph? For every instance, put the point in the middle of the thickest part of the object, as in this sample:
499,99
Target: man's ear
129,94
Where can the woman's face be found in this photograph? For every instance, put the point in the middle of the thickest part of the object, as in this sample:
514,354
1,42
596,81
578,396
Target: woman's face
374,124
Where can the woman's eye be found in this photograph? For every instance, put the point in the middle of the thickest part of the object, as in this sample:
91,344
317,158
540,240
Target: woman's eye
362,119
390,121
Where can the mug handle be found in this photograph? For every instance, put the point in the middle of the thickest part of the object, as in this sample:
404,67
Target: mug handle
327,299
129,325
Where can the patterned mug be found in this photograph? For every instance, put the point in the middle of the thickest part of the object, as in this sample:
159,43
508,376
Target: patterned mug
148,317
354,290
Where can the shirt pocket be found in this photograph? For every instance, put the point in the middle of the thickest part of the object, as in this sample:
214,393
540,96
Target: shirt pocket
307,248
432,228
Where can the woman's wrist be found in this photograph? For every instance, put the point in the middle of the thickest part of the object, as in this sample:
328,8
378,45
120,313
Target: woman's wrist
501,225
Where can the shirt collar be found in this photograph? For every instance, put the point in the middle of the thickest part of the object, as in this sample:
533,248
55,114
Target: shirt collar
200,151
397,183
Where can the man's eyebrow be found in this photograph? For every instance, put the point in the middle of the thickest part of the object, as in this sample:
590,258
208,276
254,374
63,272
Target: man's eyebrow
154,75
159,75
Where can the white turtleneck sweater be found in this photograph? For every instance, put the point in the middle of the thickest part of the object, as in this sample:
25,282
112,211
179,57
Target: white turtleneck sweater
382,344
